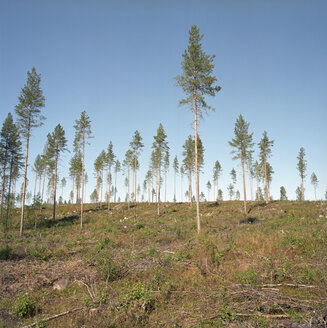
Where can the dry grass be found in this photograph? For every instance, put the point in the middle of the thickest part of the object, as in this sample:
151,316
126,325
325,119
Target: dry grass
254,271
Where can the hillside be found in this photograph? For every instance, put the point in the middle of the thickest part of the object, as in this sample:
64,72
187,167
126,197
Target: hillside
266,270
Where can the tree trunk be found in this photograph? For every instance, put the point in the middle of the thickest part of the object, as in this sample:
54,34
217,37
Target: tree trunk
55,188
21,229
3,178
302,188
175,186
190,186
35,183
115,185
165,186
159,183
82,180
244,188
251,186
109,181
266,186
196,157
128,186
72,196
135,167
182,188
9,197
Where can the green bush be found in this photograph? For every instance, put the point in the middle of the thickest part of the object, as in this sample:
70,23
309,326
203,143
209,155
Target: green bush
24,306
38,252
108,269
5,253
249,276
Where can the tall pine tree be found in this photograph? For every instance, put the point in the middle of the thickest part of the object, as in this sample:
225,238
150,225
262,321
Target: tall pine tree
242,144
28,111
197,81
82,134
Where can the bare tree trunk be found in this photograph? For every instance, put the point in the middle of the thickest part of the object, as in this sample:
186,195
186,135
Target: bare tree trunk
175,186
266,186
159,182
3,178
196,158
135,167
152,188
190,186
128,185
115,185
72,196
302,188
182,188
82,200
35,183
165,186
244,188
251,186
55,189
315,189
109,182
25,175
9,197
157,186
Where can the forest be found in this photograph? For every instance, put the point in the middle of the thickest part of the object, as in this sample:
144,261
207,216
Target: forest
132,257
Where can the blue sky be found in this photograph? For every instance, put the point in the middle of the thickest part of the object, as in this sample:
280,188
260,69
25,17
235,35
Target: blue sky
117,61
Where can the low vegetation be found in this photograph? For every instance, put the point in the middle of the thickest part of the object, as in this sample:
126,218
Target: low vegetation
265,269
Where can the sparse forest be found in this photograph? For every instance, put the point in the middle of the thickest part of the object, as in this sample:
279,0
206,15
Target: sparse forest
128,255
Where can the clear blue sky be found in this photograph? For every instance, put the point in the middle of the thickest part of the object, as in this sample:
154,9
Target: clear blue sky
117,60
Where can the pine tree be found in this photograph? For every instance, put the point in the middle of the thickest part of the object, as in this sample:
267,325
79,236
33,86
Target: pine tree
57,144
233,176
136,146
216,174
82,134
250,167
299,194
283,193
197,81
166,169
302,166
11,159
63,185
37,169
209,188
176,170
230,189
265,152
110,161
160,148
314,182
28,111
117,170
148,179
188,163
127,164
242,144
6,136
220,195
182,172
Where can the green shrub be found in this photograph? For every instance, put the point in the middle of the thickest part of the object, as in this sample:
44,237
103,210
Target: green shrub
24,306
108,269
6,253
38,252
249,276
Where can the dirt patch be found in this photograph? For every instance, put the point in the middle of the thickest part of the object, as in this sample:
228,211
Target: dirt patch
28,274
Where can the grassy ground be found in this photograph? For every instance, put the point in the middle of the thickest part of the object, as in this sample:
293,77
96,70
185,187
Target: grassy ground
268,269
